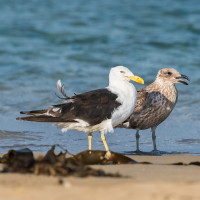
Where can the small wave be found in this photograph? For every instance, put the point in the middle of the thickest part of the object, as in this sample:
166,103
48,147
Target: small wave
189,141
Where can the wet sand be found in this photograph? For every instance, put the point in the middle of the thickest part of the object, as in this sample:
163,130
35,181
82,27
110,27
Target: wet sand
157,181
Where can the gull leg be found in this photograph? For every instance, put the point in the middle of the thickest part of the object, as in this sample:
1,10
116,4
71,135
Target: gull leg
137,135
90,141
108,154
153,129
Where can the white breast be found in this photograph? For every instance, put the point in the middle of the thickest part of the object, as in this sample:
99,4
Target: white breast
127,96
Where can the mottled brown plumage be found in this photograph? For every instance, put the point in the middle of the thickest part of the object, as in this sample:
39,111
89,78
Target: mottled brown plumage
155,103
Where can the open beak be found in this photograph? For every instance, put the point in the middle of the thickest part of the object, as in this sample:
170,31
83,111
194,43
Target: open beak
183,77
136,79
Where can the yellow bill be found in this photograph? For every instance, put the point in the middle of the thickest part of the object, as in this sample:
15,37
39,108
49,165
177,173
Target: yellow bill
136,79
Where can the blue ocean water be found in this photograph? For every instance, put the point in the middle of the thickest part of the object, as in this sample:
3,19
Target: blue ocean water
78,42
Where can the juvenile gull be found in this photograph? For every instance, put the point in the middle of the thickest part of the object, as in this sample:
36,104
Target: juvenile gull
154,103
97,110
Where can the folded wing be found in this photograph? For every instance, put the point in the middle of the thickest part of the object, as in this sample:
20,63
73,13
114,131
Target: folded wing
92,107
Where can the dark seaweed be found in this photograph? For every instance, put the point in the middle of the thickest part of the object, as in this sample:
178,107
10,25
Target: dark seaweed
23,161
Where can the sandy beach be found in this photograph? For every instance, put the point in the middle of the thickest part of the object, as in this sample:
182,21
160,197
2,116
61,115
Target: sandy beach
156,181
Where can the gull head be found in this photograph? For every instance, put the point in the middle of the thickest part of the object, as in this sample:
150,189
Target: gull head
121,73
171,76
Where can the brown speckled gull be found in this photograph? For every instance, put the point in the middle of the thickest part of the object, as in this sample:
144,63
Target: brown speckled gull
154,103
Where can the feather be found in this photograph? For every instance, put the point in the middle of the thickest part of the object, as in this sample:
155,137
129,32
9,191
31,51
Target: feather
60,88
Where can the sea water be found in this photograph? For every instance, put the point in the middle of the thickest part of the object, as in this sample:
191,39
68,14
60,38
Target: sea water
78,42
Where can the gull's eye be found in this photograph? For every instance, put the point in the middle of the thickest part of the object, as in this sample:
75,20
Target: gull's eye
122,72
169,73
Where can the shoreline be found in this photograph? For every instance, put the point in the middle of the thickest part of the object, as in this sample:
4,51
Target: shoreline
156,181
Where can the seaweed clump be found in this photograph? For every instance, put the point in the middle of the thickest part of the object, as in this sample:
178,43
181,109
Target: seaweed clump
23,161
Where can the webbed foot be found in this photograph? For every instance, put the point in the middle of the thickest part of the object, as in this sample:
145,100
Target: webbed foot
108,155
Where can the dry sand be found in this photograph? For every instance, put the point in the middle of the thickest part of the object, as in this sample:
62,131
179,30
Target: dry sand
157,181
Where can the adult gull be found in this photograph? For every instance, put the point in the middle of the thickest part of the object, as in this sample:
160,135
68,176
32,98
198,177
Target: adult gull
98,110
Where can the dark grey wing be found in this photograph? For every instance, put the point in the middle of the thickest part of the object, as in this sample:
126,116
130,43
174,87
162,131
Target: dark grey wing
152,109
92,107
